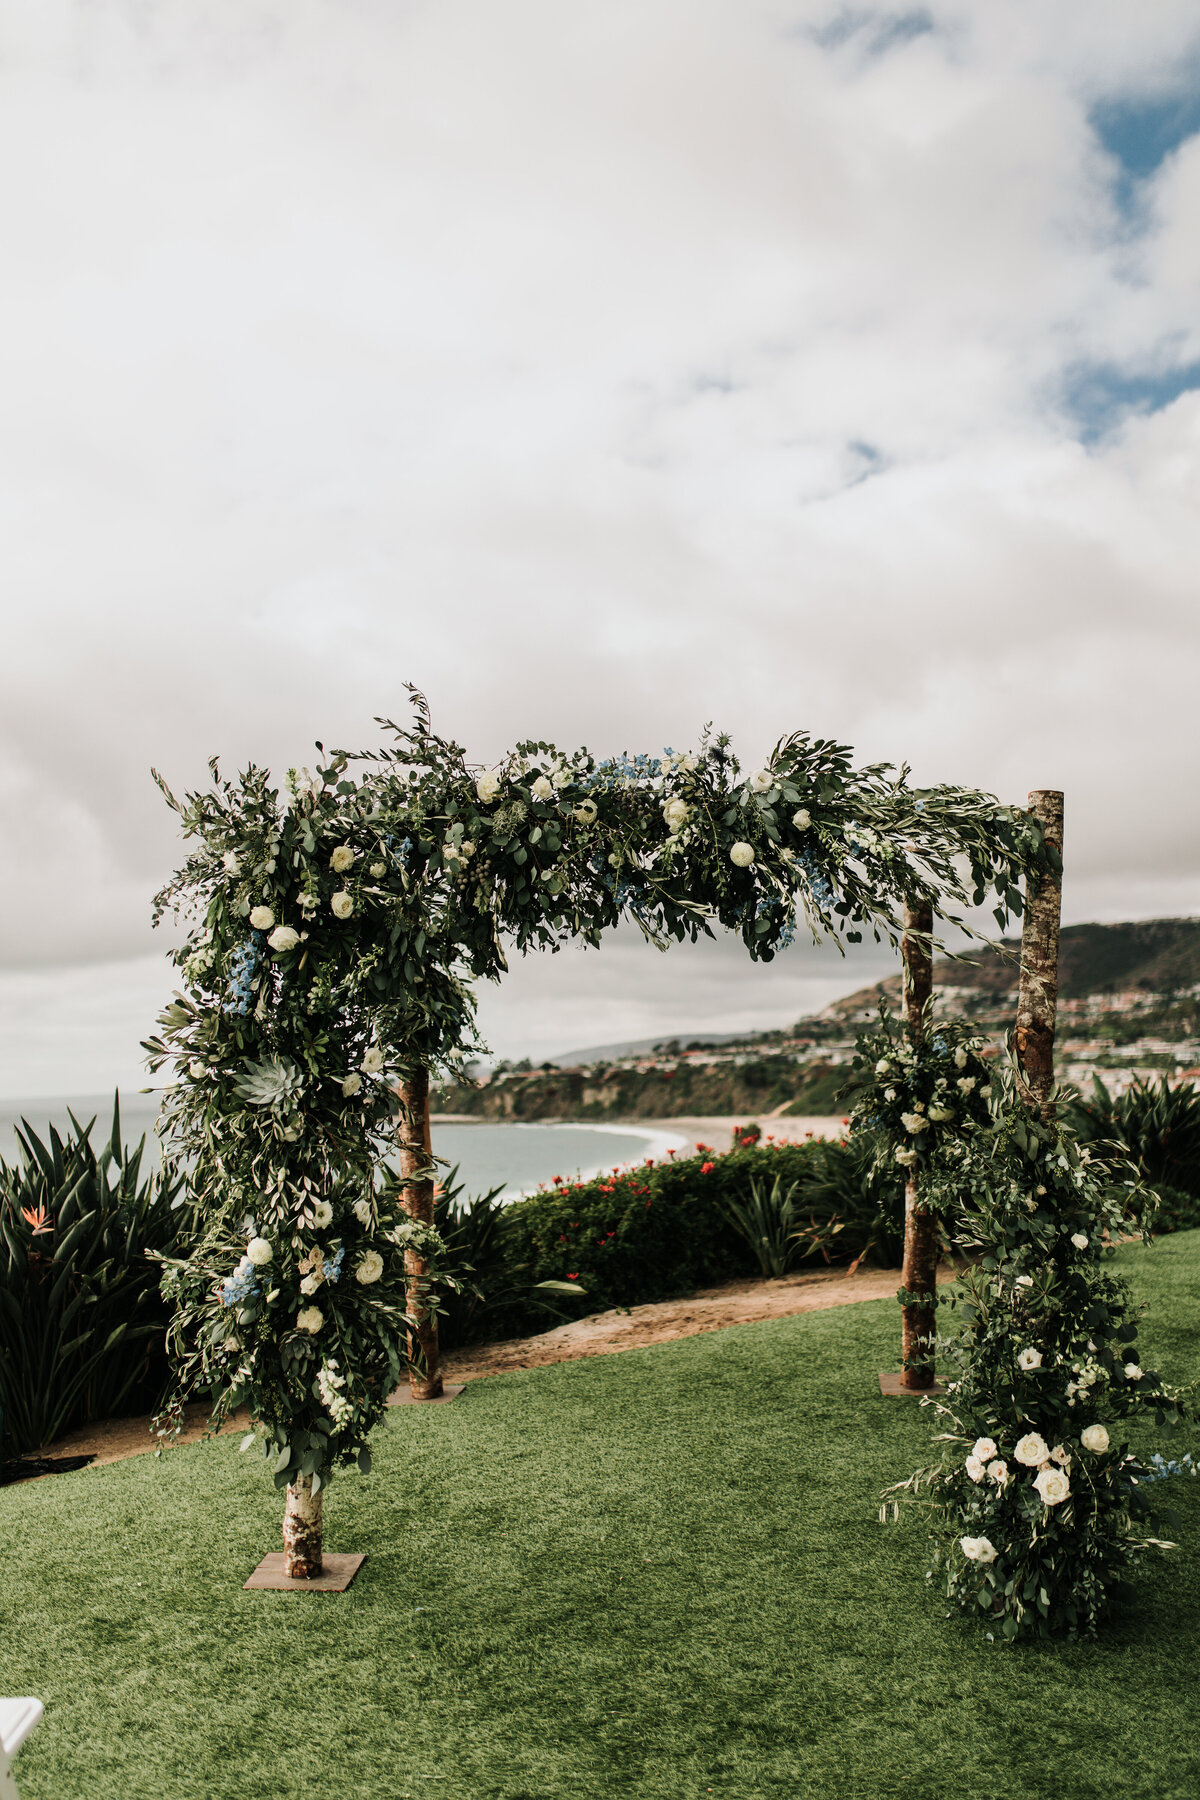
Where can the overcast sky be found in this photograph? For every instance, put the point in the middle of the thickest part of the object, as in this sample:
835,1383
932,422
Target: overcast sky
603,370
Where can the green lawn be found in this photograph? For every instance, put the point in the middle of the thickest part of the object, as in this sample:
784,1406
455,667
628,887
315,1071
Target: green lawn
659,1574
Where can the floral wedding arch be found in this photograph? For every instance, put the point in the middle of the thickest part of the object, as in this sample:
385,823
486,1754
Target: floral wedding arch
336,928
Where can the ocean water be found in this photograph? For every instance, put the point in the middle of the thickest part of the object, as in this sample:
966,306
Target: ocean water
516,1158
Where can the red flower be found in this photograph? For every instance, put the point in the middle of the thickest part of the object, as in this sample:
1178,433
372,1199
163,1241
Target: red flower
557,1180
707,1168
574,1277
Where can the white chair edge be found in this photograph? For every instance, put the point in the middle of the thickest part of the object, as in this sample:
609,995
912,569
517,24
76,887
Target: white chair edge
17,1720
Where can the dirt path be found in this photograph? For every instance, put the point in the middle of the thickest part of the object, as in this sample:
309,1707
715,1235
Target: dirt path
602,1334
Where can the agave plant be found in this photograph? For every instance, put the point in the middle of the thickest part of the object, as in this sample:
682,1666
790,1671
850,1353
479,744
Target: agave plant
1155,1125
81,1320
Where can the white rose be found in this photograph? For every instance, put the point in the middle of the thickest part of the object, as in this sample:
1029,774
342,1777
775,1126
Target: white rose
889,1093
914,1123
322,1214
742,855
561,778
262,918
676,812
542,789
372,1062
1095,1439
761,780
906,1158
1132,1372
978,1549
487,786
196,1070
966,1084
939,1114
342,905
998,1472
362,1211
1061,1456
378,871
1032,1449
370,1267
351,1085
801,819
585,812
310,1319
1079,1240
883,1066
232,862
984,1449
283,938
975,1468
1029,1358
466,849
311,1283
259,1252
342,859
689,764
960,1058
1053,1486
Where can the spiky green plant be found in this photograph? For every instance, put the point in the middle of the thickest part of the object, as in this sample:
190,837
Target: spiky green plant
81,1320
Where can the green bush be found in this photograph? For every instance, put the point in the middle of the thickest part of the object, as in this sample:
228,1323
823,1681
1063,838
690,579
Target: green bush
82,1323
1157,1126
662,1229
493,1283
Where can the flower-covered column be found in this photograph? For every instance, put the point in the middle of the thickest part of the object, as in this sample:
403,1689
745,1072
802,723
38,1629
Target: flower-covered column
919,1274
416,1169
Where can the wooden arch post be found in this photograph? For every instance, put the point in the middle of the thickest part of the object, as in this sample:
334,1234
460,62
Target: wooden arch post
918,1332
1037,999
417,1199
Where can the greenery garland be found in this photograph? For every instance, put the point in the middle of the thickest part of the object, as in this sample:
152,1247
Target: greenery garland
1039,1512
335,928
920,1102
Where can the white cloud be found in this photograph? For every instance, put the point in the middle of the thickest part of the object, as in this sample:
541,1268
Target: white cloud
604,371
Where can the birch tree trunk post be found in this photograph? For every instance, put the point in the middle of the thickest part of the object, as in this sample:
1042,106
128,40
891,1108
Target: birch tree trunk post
1037,1000
302,1531
416,1161
918,1332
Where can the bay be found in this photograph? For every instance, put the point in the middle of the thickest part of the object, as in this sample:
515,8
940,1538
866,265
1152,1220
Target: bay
514,1158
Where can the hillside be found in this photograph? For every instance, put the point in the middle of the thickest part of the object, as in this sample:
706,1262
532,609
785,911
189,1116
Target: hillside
1129,1003
1157,956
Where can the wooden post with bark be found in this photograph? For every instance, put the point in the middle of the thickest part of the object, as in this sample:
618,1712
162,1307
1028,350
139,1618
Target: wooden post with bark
1037,1001
302,1559
416,1169
919,1274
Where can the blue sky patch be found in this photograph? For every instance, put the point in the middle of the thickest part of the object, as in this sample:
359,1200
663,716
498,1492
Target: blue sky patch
1098,396
1140,132
880,31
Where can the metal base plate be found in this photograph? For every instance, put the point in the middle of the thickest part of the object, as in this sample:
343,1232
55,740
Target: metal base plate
335,1577
403,1396
890,1385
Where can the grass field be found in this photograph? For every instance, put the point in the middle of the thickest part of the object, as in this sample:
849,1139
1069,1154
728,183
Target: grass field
659,1574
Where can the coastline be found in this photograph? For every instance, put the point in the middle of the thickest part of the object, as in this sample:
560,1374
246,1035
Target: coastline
715,1131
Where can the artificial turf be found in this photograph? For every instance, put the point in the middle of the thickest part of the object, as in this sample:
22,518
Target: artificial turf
659,1574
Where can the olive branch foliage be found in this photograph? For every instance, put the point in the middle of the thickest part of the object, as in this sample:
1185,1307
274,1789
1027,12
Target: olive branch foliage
336,924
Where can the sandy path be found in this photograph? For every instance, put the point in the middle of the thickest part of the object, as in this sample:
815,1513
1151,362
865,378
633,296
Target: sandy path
601,1334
